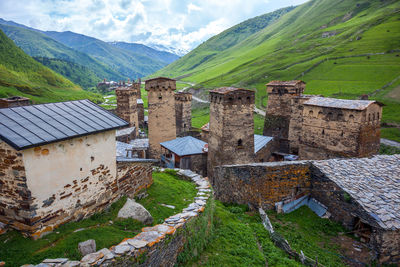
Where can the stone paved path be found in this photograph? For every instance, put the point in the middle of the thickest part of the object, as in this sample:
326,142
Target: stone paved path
390,143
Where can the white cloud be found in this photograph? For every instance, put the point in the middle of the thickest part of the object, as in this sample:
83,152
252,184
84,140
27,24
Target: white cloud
180,23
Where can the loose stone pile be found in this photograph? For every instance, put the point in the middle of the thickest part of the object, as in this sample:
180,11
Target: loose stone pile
134,247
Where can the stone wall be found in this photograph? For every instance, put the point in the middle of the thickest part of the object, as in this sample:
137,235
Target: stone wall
171,243
15,197
133,176
264,154
296,123
262,184
387,245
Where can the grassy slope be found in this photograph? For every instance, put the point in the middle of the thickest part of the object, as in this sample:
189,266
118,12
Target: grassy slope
22,75
294,44
16,250
37,44
239,238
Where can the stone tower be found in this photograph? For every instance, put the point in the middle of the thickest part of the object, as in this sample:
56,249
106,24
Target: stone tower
162,120
278,113
183,111
127,105
139,101
231,136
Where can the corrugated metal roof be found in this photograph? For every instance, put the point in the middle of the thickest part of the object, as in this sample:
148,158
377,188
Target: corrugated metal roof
30,126
139,101
185,146
339,103
260,141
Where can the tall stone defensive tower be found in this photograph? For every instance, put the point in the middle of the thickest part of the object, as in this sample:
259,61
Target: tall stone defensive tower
140,107
127,105
231,137
183,111
278,113
162,118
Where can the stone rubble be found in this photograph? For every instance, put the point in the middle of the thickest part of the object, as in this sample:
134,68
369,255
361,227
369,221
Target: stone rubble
149,235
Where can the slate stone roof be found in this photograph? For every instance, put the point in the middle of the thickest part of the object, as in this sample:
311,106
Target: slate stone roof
125,131
184,146
285,83
226,90
30,126
373,182
260,141
142,143
339,103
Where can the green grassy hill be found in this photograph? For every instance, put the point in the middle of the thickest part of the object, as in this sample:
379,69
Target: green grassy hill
23,76
341,48
37,44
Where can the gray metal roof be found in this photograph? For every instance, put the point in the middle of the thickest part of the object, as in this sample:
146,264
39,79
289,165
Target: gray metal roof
185,146
139,101
339,103
30,126
260,141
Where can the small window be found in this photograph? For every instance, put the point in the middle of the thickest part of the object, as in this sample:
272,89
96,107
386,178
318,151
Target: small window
377,115
320,114
323,132
330,116
340,117
310,113
160,97
240,143
351,117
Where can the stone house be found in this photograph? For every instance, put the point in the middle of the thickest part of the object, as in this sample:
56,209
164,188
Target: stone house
263,147
316,127
57,164
162,116
14,101
361,193
364,195
185,153
205,131
335,128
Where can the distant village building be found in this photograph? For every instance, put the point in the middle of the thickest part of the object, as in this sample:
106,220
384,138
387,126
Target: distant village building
231,137
57,164
14,101
205,131
335,128
183,111
162,118
185,153
316,127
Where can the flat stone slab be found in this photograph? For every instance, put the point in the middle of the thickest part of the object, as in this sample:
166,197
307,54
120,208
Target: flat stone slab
58,260
151,237
121,249
161,228
137,243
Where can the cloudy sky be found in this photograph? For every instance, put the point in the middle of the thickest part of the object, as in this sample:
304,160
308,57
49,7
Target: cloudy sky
178,23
